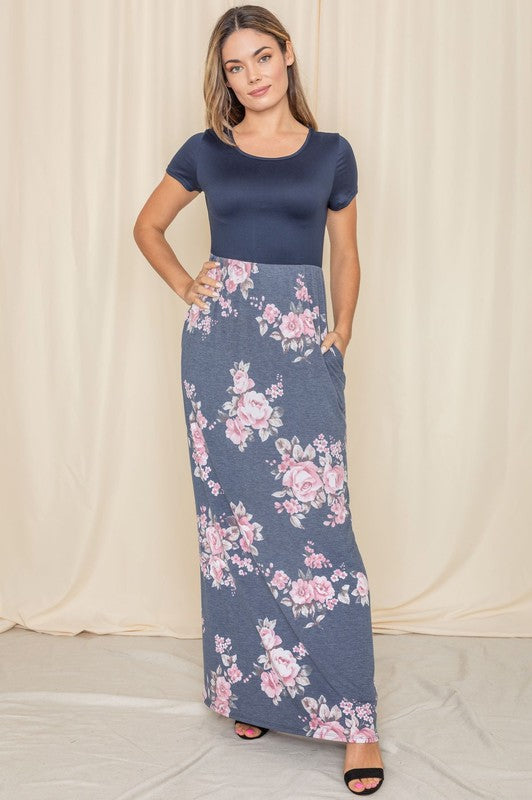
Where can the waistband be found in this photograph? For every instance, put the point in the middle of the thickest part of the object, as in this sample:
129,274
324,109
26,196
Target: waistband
226,261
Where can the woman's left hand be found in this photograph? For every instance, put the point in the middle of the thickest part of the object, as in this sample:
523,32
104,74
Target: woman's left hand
333,337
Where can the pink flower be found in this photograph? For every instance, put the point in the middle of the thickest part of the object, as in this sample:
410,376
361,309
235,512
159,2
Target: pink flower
323,588
238,271
254,409
307,323
214,538
235,431
333,478
291,326
198,442
201,419
301,591
302,293
234,673
270,683
216,568
329,729
362,735
280,579
339,508
286,462
304,480
248,531
315,560
362,584
285,665
269,638
221,706
270,313
223,688
291,506
242,382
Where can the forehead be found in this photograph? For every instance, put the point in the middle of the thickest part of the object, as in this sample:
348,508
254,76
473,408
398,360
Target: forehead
244,43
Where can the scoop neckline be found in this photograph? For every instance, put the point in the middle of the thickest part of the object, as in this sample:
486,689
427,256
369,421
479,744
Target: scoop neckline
273,158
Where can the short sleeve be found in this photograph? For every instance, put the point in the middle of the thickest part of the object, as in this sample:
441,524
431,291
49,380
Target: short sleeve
184,164
345,184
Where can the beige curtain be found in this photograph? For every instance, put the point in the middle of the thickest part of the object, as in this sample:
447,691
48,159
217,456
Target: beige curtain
97,510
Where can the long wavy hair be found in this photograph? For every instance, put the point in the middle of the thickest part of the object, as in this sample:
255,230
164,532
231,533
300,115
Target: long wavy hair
223,109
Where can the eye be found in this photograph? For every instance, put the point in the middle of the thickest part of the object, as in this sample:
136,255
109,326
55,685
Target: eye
267,55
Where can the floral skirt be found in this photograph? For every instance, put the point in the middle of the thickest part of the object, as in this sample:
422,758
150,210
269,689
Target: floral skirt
286,620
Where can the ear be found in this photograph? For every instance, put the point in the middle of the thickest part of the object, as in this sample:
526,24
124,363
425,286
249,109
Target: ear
289,55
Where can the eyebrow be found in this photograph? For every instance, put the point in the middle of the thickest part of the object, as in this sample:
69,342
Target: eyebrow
266,46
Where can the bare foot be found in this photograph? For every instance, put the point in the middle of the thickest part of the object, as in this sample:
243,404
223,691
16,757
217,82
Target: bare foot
250,731
362,755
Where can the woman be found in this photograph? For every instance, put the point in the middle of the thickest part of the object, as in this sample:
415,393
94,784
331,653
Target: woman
287,638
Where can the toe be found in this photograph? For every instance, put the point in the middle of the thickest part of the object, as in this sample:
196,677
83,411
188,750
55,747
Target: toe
250,731
359,784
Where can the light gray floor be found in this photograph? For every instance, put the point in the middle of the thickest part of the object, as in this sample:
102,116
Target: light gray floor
121,718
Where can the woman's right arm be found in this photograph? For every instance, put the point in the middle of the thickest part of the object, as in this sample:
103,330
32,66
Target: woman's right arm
160,209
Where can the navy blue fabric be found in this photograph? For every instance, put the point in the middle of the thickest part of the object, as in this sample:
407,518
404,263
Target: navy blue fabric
286,619
271,210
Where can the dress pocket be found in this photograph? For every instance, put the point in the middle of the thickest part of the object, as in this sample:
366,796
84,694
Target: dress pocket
339,354
334,361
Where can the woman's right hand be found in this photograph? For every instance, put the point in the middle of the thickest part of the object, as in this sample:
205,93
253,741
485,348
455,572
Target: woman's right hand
204,285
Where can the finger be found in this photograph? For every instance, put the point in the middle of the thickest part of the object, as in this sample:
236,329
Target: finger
200,303
208,281
208,265
207,291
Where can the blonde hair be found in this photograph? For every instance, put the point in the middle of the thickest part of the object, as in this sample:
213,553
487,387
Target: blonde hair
223,109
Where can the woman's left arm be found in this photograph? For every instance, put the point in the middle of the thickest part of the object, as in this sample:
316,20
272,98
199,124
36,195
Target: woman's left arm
345,273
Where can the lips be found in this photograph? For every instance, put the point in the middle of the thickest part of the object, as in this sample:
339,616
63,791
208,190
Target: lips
259,92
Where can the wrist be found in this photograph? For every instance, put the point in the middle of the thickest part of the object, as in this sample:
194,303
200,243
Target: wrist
344,333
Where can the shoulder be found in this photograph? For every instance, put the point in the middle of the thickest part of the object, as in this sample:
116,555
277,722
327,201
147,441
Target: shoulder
336,144
184,163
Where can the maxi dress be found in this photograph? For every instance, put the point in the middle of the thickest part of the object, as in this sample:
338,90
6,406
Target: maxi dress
286,619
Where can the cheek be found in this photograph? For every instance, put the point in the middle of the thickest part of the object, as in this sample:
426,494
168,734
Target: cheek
278,74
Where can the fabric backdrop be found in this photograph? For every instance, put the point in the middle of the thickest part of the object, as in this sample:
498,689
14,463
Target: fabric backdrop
97,511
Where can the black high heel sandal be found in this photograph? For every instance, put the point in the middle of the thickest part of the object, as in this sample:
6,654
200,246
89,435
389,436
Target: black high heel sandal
364,772
243,735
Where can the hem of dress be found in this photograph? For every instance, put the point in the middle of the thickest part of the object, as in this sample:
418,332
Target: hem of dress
286,729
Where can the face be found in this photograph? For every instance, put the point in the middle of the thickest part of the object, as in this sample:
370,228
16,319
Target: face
251,60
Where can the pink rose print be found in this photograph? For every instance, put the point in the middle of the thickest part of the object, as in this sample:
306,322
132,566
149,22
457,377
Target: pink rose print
239,276
311,478
291,326
234,276
223,547
304,480
346,722
270,313
278,668
270,684
312,595
298,329
196,440
218,694
249,411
